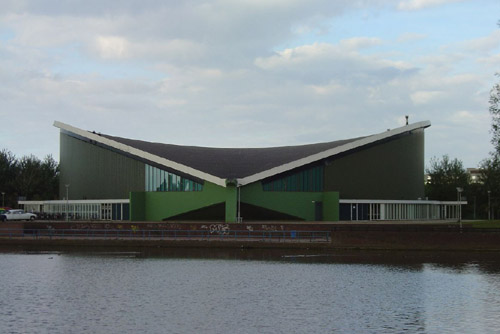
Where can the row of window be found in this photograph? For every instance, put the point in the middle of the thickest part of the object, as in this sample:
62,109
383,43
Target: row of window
307,180
397,211
160,180
81,211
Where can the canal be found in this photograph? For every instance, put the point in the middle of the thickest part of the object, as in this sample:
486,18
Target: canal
247,291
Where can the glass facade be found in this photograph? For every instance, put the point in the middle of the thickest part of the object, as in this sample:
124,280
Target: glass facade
79,209
160,180
306,180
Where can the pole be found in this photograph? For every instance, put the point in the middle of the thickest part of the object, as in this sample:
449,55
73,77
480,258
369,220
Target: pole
67,202
459,200
474,207
239,204
3,198
489,205
460,208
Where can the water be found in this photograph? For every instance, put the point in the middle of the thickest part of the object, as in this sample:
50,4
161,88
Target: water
205,291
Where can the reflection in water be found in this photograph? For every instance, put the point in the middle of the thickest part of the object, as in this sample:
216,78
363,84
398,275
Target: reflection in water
248,291
489,262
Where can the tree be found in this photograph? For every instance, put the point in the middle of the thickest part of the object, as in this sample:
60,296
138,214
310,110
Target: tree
37,180
491,165
490,179
28,177
8,172
445,176
489,191
50,177
495,115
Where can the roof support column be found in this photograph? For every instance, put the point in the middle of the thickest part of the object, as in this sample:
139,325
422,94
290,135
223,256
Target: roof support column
231,203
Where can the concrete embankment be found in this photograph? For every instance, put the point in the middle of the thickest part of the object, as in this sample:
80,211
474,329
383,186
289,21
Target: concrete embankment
375,236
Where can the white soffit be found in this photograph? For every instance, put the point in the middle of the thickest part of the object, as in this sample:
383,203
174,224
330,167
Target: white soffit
333,151
141,154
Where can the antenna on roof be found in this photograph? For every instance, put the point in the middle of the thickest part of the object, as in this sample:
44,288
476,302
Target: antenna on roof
407,119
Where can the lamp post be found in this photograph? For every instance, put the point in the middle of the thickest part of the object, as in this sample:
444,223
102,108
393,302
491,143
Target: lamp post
239,203
474,207
489,204
67,202
3,198
459,199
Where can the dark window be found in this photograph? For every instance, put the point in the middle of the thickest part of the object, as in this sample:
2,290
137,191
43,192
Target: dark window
160,180
310,179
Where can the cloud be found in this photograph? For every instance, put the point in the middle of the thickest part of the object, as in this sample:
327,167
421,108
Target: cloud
466,117
112,47
320,63
357,43
410,37
234,73
483,44
421,4
423,97
490,61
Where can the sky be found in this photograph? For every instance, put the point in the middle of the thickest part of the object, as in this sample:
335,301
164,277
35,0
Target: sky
248,73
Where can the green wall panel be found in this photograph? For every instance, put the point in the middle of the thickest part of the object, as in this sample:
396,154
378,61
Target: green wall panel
97,173
298,204
390,170
156,206
331,206
137,206
162,205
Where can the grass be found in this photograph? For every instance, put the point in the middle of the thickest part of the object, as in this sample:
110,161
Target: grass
482,224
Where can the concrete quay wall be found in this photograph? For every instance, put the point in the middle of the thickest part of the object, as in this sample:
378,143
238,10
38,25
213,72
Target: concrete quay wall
379,236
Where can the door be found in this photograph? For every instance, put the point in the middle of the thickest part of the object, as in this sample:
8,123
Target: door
318,211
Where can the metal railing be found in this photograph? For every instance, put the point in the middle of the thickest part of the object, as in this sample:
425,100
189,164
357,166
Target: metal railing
270,236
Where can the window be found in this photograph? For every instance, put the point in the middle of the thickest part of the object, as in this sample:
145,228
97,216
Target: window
160,180
306,180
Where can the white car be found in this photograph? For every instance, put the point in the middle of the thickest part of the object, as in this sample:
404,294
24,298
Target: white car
17,215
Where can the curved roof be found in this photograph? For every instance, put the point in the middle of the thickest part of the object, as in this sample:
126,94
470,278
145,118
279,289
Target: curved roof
243,165
229,163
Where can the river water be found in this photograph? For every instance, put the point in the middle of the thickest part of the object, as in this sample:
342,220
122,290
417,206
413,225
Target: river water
245,291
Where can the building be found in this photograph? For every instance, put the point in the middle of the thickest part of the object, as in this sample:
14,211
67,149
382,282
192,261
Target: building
376,177
475,174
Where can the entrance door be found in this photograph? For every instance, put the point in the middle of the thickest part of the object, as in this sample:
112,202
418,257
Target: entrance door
318,211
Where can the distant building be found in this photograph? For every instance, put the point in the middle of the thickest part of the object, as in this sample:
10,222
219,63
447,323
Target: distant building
475,175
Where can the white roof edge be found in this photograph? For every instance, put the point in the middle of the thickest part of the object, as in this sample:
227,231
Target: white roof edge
325,154
141,154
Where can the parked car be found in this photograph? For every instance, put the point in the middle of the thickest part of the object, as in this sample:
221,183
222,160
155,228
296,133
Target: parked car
17,215
3,209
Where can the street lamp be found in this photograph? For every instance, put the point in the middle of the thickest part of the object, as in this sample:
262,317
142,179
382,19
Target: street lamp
459,199
238,187
67,202
489,204
3,198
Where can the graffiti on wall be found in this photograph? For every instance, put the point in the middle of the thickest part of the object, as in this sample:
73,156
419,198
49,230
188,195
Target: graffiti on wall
219,229
272,228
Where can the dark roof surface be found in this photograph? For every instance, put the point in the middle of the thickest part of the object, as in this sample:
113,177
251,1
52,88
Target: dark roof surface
230,163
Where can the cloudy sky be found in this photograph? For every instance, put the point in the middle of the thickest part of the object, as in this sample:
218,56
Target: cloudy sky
248,73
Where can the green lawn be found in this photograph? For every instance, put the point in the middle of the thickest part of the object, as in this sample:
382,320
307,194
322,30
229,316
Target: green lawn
483,224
